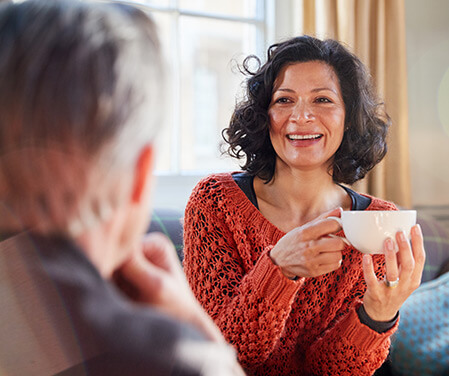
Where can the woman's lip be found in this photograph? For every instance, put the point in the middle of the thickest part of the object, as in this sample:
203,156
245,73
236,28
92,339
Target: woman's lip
304,142
304,136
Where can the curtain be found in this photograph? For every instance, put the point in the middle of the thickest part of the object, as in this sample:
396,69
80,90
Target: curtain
375,31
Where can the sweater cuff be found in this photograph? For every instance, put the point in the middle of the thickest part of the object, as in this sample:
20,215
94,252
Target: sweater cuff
378,326
270,283
360,335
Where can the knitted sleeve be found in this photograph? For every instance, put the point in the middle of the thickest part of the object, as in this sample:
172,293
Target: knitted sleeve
249,303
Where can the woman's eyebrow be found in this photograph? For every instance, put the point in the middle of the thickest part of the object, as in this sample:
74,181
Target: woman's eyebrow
285,89
313,90
324,89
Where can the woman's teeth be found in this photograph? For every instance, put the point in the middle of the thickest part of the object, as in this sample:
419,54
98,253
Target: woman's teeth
303,136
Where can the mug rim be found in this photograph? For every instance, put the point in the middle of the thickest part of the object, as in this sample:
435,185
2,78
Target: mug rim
379,211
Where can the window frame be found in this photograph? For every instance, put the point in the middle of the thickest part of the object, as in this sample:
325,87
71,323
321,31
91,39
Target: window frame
174,186
263,21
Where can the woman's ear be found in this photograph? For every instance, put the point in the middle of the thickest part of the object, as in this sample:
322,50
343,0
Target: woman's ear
143,173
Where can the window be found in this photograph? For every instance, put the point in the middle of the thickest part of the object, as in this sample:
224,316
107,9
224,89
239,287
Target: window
203,42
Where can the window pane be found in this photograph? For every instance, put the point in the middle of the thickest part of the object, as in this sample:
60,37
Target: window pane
239,8
210,82
164,24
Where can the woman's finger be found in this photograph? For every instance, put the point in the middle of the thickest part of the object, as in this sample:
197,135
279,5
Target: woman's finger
391,262
330,245
324,269
330,265
419,253
405,256
318,229
368,272
329,258
343,239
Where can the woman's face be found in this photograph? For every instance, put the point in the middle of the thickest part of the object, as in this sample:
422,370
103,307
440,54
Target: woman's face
307,116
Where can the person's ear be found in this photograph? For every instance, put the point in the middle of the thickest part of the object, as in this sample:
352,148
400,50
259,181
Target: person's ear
143,173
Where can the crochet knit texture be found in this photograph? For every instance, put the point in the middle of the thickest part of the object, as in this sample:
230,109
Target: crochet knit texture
278,326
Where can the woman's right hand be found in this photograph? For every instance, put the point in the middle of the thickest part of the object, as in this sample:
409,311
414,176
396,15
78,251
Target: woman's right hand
308,250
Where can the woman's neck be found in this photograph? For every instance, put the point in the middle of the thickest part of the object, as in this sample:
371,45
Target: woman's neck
295,197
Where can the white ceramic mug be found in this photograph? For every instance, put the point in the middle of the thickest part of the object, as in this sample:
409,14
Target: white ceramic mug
367,230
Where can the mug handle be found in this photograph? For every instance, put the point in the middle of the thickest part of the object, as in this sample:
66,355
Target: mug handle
337,219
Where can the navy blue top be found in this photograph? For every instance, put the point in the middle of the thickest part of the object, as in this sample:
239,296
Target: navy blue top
246,184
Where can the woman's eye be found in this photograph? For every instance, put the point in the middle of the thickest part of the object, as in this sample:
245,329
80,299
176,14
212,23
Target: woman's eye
282,100
323,100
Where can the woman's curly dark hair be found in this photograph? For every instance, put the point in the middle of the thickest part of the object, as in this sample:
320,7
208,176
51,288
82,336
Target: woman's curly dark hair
366,122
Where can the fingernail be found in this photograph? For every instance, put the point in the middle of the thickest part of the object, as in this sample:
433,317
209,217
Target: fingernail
417,229
402,237
367,259
389,244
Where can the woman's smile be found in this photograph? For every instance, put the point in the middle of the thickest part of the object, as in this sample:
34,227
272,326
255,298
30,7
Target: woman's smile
303,140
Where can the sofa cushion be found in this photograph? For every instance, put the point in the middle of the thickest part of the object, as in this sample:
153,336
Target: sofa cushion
169,222
436,243
421,344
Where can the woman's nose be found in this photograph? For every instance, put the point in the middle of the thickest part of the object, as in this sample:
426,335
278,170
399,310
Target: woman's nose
302,111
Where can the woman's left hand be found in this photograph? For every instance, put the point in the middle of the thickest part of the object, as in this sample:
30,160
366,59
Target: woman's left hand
403,270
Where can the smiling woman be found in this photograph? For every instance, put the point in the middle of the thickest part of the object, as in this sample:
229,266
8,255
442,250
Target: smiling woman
260,251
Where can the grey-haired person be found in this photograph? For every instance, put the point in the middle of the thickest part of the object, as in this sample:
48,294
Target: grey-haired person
80,102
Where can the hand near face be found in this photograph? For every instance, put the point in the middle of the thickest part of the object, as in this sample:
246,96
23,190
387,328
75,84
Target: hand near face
381,302
309,250
154,276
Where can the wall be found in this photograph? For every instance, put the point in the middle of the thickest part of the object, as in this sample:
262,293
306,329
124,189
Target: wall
427,27
427,24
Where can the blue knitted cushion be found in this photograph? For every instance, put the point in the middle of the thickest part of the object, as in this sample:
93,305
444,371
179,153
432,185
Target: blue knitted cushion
421,344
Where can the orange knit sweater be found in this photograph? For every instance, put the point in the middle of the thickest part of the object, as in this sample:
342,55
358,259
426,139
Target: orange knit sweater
278,326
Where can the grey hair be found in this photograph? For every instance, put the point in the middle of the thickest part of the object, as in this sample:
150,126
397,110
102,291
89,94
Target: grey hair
80,95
